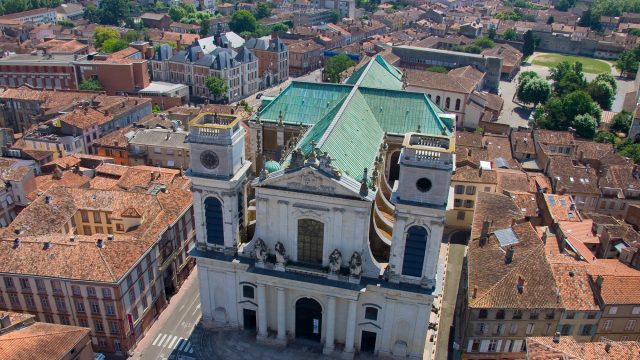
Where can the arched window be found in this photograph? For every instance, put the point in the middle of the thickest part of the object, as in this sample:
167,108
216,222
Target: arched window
214,222
438,100
415,248
457,104
310,240
429,95
447,103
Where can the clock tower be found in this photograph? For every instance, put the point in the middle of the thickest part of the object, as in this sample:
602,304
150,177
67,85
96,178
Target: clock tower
218,173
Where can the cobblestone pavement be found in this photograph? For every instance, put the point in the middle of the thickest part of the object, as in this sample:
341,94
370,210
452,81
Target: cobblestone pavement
241,345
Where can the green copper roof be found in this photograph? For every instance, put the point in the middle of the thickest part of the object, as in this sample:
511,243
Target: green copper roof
272,166
379,75
305,102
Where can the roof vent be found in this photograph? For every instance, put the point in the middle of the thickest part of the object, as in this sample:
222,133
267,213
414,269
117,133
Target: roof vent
72,238
110,237
47,245
48,199
16,243
100,243
556,337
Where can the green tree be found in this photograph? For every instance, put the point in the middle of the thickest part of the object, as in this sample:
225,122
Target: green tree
457,48
280,27
491,34
131,36
114,12
534,90
113,45
529,44
91,13
632,151
602,93
507,15
334,16
176,13
621,122
472,49
262,10
156,109
611,138
557,73
627,62
609,79
635,32
102,34
510,34
90,84
438,69
337,64
585,125
562,5
205,27
554,118
484,42
550,20
241,21
217,86
189,8
66,24
479,130
580,103
569,83
525,75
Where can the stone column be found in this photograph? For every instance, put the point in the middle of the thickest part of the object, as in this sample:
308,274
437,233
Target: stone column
331,324
387,326
351,329
419,334
262,311
282,331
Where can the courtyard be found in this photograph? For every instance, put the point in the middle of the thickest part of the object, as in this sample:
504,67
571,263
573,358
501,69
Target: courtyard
589,65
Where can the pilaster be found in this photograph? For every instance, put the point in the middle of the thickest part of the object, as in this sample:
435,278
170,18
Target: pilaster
349,351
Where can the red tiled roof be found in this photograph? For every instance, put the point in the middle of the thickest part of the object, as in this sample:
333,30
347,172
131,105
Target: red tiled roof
41,341
545,348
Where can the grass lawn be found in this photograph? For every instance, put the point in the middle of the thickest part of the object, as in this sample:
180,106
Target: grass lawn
589,65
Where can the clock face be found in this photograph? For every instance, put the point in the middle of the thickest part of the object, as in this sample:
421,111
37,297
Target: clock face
423,185
209,159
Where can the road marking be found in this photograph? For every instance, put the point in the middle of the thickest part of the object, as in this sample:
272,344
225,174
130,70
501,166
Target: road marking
186,348
181,341
184,342
175,338
158,338
198,307
166,342
191,351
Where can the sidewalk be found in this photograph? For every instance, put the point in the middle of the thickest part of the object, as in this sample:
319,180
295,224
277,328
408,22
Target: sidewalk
175,300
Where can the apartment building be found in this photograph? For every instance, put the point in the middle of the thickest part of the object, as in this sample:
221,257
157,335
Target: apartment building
619,188
37,16
115,144
104,259
310,17
122,110
42,138
125,71
572,178
565,347
70,12
159,147
273,60
347,8
305,56
466,182
60,342
40,70
84,122
616,288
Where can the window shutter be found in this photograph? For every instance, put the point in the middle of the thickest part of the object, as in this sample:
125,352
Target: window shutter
506,345
580,330
498,346
485,329
517,344
496,329
470,345
564,315
593,330
586,315
559,328
571,330
484,346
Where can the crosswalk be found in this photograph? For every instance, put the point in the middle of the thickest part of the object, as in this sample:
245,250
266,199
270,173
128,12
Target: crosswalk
173,342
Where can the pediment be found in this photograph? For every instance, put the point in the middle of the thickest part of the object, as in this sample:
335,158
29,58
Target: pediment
312,180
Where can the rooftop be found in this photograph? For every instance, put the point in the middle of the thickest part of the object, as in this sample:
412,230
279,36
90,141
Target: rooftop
41,341
545,348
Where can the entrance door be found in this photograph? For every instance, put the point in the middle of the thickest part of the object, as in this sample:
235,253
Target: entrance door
249,319
308,319
368,342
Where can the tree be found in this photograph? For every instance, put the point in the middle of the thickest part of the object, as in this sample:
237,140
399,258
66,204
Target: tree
569,83
176,13
609,79
562,5
337,64
458,48
72,25
525,75
189,8
156,109
621,122
113,45
334,16
627,62
102,34
131,36
510,34
550,20
438,69
90,84
534,90
114,12
635,32
585,19
632,151
242,20
529,44
611,138
217,86
473,49
205,27
262,10
557,73
279,27
585,125
491,34
484,42
91,13
602,93
580,103
479,130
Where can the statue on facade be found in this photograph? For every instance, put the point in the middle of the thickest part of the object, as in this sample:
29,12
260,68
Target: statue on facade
355,265
335,260
297,160
260,251
281,254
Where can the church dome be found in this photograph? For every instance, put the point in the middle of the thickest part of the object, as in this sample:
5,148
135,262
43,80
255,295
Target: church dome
272,166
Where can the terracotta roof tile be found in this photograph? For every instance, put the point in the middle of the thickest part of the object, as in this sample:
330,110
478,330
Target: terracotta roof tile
83,119
526,201
468,174
553,137
468,139
544,348
519,144
619,290
592,150
41,341
512,180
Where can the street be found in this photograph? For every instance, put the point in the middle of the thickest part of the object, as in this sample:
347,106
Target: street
169,337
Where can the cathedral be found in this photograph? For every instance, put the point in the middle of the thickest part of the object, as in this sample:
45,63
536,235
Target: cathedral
351,183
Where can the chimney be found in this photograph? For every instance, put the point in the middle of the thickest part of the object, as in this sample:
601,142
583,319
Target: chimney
485,229
508,257
72,238
475,292
110,237
599,281
556,337
100,243
607,347
16,243
480,171
520,284
117,127
199,54
106,112
47,245
5,321
16,230
513,222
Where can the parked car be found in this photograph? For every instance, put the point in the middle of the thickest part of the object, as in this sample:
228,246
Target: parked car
259,95
98,356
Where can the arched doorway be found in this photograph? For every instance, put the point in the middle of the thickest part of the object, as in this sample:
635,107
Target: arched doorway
310,240
214,222
308,319
415,248
394,168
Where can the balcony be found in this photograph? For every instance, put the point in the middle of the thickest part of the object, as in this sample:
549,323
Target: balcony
169,259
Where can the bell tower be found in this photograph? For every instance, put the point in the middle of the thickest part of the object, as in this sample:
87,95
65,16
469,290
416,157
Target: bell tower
426,165
218,172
